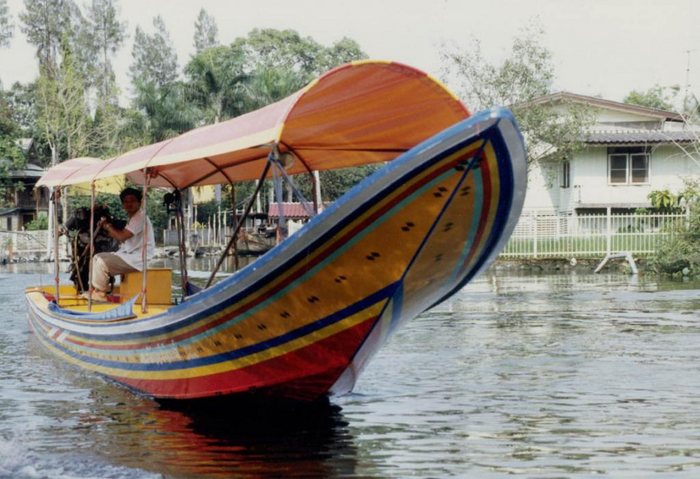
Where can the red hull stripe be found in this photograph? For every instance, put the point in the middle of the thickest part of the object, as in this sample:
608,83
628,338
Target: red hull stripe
242,352
325,359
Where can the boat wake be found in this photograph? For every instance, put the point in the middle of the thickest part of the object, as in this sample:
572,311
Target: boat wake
16,462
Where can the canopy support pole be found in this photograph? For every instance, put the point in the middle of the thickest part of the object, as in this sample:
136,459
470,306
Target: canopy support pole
181,241
235,224
144,245
232,240
92,243
317,191
290,182
54,221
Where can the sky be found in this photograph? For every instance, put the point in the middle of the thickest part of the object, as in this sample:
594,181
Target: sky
601,48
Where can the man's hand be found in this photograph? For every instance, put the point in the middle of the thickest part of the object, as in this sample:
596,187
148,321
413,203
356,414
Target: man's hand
104,224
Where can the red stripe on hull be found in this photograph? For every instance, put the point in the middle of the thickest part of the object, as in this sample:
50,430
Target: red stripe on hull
306,374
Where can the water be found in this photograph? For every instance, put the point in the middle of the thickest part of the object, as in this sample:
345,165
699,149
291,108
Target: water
529,376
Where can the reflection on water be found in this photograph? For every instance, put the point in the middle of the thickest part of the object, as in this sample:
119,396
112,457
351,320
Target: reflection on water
247,438
533,376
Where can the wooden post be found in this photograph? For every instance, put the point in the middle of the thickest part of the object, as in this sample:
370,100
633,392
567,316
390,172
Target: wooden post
608,234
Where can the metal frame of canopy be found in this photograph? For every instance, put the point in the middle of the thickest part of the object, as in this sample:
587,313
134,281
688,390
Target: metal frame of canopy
359,113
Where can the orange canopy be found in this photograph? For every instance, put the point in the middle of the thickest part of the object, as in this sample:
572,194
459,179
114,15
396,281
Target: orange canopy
359,113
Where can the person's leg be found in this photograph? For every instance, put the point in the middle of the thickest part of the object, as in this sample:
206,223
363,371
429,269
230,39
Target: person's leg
104,264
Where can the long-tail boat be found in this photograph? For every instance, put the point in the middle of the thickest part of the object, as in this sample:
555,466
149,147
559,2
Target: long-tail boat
303,320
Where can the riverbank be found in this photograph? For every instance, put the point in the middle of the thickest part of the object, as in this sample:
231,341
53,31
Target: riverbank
525,265
561,265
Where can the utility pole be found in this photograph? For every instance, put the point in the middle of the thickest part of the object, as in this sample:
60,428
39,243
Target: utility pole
687,81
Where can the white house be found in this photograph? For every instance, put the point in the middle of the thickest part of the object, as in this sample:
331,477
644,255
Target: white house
629,152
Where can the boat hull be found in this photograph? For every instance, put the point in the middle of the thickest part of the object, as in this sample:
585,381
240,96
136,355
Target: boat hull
304,320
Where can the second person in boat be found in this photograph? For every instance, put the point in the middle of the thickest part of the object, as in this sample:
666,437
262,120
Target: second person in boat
129,256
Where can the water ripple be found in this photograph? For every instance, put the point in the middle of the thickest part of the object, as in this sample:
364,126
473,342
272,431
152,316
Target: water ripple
536,376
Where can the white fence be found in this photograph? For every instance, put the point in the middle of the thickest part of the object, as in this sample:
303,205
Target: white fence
199,236
577,236
535,236
27,245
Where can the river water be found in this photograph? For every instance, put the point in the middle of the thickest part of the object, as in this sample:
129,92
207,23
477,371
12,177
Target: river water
555,376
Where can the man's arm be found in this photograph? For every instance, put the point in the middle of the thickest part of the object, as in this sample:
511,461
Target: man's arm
119,235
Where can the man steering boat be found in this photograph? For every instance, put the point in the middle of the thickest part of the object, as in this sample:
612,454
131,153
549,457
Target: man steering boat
129,256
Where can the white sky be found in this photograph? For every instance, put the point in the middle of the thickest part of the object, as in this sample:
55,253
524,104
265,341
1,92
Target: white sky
599,47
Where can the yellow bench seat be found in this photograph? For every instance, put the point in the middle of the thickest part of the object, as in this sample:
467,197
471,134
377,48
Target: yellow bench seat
158,285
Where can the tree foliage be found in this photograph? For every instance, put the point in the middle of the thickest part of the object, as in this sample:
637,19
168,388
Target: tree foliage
661,98
215,83
108,34
165,112
155,59
261,68
47,24
11,155
679,255
286,50
6,25
63,117
519,82
22,100
206,32
159,96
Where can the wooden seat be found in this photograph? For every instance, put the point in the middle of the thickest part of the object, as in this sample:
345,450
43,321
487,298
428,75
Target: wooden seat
158,285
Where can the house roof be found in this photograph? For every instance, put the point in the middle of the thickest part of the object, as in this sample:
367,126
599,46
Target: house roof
290,210
641,136
609,104
29,171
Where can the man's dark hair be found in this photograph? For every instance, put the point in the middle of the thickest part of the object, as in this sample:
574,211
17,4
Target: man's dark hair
130,191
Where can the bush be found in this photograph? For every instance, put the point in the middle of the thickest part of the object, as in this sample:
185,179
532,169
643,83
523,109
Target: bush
39,223
679,255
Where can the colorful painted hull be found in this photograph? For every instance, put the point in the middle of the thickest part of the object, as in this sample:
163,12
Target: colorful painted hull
303,320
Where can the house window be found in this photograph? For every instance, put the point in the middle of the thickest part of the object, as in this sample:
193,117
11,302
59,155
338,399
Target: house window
565,174
628,165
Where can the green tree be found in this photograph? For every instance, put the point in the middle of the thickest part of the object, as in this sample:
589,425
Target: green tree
286,50
165,111
22,100
664,200
334,183
11,155
658,97
6,25
520,82
679,255
47,23
108,34
206,33
268,85
62,116
215,79
155,59
265,66
159,96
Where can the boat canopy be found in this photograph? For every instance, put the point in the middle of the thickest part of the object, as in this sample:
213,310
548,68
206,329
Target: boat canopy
359,113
